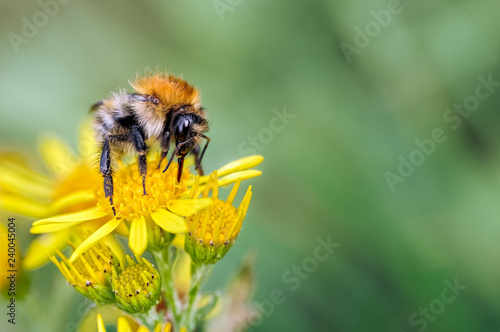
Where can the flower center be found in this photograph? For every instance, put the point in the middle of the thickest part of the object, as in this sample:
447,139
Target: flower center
214,223
137,286
128,198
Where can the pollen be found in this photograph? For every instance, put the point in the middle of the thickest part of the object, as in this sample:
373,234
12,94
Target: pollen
128,198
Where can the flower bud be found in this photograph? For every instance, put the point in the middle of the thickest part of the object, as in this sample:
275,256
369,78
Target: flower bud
137,285
214,230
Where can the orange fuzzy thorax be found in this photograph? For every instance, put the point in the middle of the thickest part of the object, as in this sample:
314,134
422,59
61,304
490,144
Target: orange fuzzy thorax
168,88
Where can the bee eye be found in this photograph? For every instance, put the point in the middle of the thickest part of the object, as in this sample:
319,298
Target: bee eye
154,100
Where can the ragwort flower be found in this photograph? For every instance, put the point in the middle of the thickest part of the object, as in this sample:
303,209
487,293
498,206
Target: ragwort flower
164,208
90,274
214,230
67,189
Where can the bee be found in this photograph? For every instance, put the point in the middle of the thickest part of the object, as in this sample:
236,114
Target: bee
164,109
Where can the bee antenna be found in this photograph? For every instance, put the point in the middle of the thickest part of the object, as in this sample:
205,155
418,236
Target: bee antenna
202,152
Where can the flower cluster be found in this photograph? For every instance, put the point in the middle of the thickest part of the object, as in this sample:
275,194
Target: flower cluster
183,225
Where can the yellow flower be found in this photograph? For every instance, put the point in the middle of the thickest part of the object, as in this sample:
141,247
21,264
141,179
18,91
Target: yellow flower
74,199
68,189
164,208
125,324
90,274
214,230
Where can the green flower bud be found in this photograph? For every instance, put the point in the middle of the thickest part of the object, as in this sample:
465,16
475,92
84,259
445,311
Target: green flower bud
137,286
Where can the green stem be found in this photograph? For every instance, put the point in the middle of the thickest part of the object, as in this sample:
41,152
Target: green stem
198,274
148,319
164,261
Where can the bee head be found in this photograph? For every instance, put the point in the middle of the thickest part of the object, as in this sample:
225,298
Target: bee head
187,129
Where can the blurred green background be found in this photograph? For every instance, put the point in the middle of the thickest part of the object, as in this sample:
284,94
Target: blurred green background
356,115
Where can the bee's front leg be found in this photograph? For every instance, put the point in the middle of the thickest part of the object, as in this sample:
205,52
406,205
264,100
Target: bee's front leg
140,146
105,168
165,146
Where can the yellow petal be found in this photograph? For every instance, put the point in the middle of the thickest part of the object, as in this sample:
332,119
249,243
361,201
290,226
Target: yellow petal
188,207
76,197
179,241
96,236
167,328
235,166
115,246
244,175
63,221
182,272
240,165
122,230
100,324
57,155
138,239
142,329
231,178
169,221
23,170
23,181
23,206
44,246
73,218
123,325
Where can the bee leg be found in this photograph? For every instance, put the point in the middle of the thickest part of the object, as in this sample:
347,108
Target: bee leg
180,161
140,146
197,161
165,146
180,158
105,168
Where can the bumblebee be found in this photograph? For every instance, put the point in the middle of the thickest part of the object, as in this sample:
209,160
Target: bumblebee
164,109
